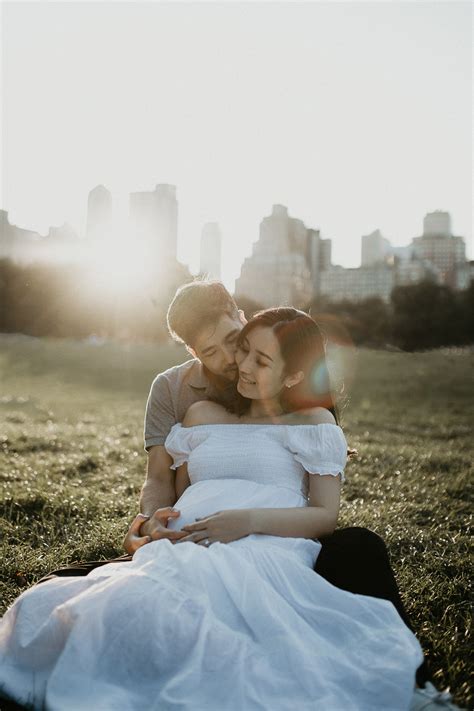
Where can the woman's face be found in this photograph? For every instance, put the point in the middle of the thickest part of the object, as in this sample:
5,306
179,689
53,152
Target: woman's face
260,365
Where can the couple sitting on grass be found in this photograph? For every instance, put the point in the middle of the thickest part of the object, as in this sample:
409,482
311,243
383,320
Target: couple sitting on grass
237,592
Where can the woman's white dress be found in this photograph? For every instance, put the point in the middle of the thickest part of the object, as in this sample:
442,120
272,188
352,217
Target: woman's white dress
240,626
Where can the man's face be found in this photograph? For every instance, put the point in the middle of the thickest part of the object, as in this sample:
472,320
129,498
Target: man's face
216,346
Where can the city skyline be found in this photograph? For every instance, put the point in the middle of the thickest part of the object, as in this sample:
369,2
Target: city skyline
290,262
126,224
356,116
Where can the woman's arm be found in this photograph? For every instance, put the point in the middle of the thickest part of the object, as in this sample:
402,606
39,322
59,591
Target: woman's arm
317,519
182,479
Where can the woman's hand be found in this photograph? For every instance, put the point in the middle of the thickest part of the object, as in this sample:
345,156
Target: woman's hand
223,526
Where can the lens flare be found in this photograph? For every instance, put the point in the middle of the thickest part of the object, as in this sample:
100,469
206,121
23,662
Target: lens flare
320,382
337,377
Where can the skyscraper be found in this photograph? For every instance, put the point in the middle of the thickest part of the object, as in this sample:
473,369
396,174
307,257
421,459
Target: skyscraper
325,252
318,257
279,270
99,215
437,223
153,224
438,246
211,250
374,249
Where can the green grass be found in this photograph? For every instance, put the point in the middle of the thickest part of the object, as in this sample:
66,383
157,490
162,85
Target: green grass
72,465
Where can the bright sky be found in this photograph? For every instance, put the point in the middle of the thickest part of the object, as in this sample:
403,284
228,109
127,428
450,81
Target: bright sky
355,115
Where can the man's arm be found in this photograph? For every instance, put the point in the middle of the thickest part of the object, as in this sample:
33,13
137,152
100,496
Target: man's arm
156,501
159,487
158,493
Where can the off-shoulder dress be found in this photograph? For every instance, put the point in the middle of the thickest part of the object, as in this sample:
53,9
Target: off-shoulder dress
242,626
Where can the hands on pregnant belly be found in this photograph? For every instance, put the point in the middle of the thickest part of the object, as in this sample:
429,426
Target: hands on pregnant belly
213,511
221,527
219,510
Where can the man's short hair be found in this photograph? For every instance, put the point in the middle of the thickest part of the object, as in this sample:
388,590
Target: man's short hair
197,305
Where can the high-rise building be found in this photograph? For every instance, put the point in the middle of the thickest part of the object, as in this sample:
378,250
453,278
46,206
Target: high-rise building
17,244
355,284
61,245
325,250
437,223
414,270
404,253
318,258
464,275
278,271
99,215
153,224
375,249
211,250
438,246
313,253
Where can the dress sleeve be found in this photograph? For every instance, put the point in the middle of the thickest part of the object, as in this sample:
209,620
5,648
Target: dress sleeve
179,444
321,449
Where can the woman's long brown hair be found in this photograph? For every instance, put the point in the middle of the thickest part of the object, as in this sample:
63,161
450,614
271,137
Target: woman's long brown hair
302,349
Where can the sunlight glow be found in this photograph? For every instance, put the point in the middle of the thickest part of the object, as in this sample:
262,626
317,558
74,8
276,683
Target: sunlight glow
324,114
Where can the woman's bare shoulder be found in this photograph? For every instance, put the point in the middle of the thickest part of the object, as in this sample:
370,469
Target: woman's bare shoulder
206,412
311,416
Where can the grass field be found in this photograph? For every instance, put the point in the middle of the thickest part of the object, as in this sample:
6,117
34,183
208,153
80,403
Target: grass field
72,464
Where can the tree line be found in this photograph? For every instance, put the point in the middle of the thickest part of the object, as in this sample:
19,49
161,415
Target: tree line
418,317
63,302
71,302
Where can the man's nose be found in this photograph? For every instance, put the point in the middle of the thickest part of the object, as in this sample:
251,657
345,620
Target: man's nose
229,355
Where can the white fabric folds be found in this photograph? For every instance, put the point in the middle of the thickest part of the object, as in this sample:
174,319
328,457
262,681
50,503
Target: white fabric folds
244,626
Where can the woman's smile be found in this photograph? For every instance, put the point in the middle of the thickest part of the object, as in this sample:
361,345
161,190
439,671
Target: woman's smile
246,380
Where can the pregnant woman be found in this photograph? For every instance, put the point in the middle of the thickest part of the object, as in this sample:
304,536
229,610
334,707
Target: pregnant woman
233,615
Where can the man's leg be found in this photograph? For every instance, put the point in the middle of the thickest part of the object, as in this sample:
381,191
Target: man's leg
83,568
356,559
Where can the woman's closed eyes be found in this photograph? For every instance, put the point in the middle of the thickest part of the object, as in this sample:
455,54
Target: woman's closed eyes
245,349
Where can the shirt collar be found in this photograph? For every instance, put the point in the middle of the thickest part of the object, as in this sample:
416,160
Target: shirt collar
197,377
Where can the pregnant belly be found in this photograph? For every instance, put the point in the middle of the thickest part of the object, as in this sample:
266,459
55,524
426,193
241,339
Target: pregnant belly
212,495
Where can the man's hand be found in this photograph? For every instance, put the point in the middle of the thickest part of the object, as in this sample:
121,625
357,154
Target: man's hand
224,526
151,528
156,525
133,540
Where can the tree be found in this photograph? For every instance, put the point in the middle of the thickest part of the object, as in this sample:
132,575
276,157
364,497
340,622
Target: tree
425,315
367,321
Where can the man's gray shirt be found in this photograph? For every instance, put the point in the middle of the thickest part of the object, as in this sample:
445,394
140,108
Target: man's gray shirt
171,393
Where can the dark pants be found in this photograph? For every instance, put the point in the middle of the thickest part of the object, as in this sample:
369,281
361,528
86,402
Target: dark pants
353,559
356,559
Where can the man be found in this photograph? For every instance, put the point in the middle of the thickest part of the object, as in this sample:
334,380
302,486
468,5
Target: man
204,316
